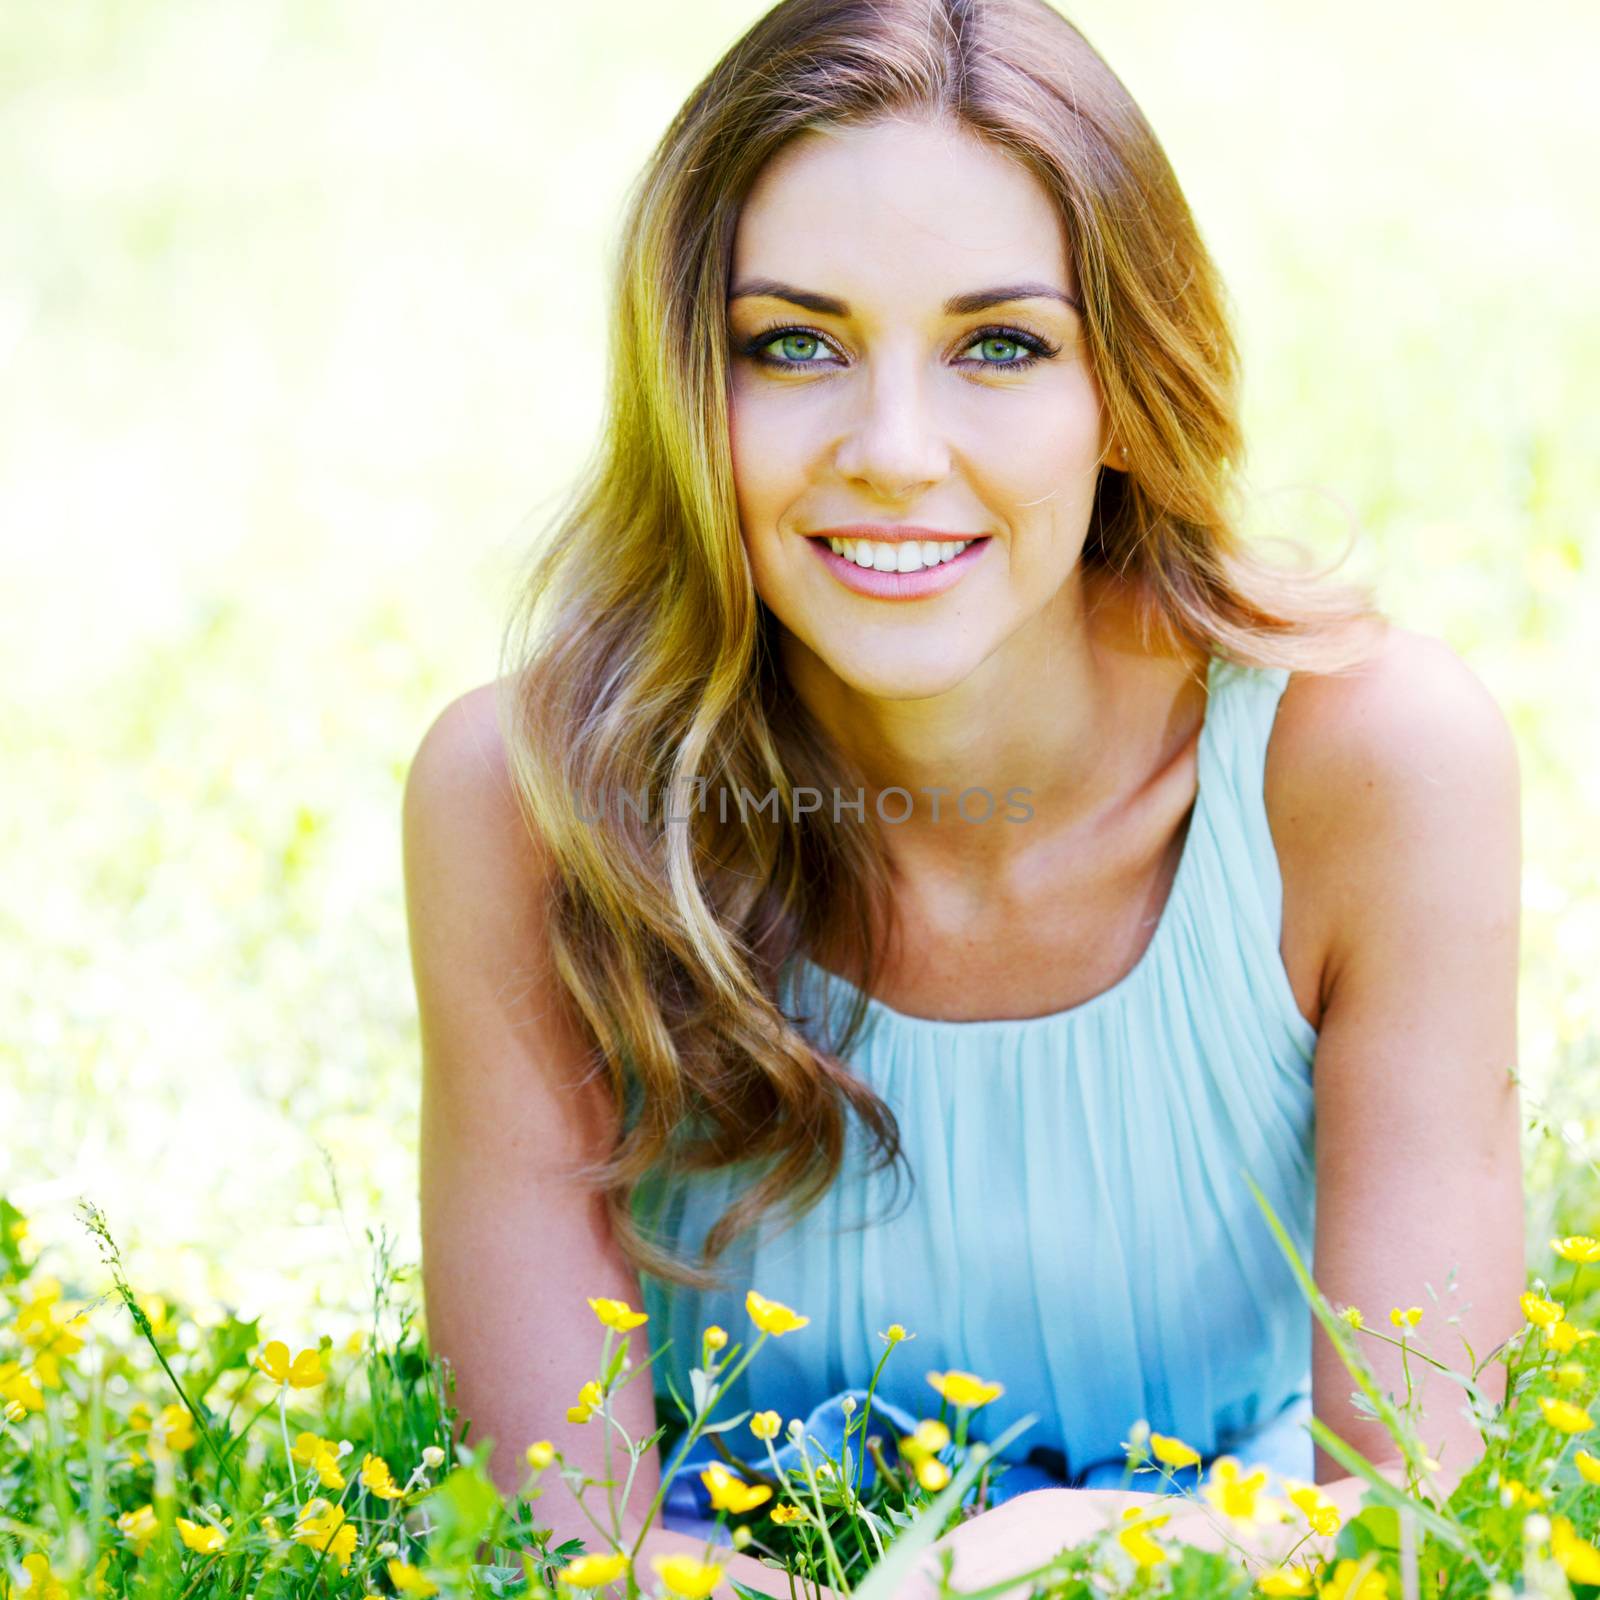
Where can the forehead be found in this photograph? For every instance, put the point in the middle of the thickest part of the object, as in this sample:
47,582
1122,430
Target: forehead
897,210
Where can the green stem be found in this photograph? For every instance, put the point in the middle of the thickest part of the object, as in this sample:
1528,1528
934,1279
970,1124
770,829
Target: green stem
866,1413
835,1569
288,1454
685,1444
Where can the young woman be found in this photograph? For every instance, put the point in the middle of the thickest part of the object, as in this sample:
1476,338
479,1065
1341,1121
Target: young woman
901,768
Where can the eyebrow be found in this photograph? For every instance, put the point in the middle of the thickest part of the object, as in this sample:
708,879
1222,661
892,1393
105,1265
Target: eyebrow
958,305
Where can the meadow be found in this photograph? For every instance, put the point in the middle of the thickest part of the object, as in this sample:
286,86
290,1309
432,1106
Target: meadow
301,320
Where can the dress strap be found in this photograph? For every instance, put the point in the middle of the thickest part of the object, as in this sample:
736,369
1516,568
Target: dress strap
1241,723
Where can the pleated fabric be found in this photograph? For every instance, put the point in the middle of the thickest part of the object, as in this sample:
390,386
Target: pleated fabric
1078,1227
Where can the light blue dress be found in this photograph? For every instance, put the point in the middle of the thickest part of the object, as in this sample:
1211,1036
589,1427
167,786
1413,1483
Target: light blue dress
1079,1229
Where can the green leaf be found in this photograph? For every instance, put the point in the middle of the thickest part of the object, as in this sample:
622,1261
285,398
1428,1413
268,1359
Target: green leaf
462,1509
1375,1528
726,1423
700,1386
1207,1575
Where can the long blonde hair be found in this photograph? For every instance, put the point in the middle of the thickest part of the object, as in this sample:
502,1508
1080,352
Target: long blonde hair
638,659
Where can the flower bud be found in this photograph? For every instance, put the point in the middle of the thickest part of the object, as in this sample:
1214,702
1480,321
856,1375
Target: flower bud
432,1457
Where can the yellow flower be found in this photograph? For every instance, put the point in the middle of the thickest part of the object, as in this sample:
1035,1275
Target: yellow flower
686,1576
1579,1559
1562,1336
1172,1451
729,1493
322,1526
40,1324
19,1391
1291,1580
1543,1313
772,1317
377,1479
1570,1375
932,1473
139,1527
894,1333
1564,1415
1144,1550
1406,1319
788,1514
1139,1517
1352,1315
1577,1247
618,1314
964,1388
1341,1585
540,1454
1513,1492
321,1456
1237,1496
715,1337
352,1345
591,1571
407,1579
765,1424
201,1536
931,1435
42,1582
1588,1466
173,1429
1136,1541
590,1399
1322,1513
304,1372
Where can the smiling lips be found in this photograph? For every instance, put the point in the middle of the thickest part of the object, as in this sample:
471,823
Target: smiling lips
901,548
900,563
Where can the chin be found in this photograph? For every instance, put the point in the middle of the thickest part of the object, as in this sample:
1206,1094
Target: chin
902,679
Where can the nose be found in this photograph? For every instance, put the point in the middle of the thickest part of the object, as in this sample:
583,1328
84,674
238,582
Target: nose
893,443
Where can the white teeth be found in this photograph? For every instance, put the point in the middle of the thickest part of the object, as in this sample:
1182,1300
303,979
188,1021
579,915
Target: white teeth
913,555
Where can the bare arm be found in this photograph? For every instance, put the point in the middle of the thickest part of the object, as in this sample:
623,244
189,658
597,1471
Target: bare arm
511,1248
1418,1155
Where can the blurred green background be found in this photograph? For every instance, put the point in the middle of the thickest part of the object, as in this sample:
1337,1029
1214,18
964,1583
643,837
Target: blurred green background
302,330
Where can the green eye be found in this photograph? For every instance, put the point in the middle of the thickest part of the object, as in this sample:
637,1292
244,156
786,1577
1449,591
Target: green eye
804,344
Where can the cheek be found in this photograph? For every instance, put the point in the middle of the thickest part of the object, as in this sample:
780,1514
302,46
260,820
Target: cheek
769,479
768,456
1036,452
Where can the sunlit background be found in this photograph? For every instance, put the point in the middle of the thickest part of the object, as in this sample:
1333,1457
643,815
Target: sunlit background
302,334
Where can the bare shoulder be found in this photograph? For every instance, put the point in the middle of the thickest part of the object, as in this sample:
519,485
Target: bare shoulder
1400,768
461,776
463,751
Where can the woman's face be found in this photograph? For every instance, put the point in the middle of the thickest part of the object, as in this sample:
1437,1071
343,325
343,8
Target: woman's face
892,408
